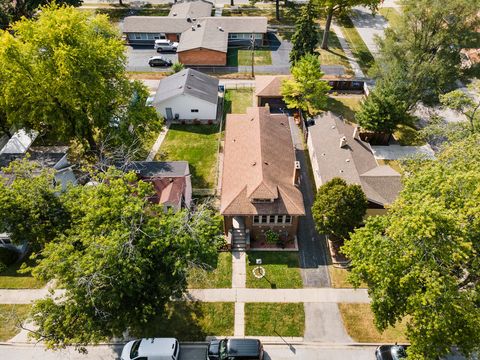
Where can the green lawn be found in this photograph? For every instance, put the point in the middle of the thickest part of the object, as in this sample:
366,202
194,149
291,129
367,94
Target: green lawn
274,319
356,44
408,135
238,100
242,57
197,144
392,15
335,54
220,276
338,277
192,321
288,14
11,279
281,267
345,106
10,317
358,321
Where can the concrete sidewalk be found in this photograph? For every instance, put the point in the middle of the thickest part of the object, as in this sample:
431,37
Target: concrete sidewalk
348,52
369,26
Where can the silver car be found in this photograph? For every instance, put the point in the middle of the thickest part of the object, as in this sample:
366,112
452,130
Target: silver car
165,45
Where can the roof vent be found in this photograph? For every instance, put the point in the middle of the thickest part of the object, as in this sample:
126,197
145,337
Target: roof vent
297,165
180,86
198,25
220,28
193,28
254,163
189,20
348,160
341,171
189,87
252,119
282,124
174,14
266,163
343,141
194,19
333,126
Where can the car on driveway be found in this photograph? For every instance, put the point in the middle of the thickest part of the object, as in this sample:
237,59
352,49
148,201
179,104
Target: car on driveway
165,45
151,349
159,61
235,349
391,352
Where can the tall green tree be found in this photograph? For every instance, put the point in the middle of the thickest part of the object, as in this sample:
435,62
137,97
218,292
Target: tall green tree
30,209
305,38
306,91
423,48
338,7
339,208
420,260
64,73
120,262
11,11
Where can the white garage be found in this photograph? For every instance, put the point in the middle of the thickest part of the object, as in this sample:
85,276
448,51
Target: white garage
188,96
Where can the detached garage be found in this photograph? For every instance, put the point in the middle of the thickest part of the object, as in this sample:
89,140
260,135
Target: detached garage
188,96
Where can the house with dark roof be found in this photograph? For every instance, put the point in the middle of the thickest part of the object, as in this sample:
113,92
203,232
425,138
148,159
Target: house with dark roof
336,150
260,179
188,96
171,182
203,39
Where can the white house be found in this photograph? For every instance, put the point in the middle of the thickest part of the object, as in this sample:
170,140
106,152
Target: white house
188,96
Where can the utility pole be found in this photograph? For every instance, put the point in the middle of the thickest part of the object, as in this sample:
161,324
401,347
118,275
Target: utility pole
253,55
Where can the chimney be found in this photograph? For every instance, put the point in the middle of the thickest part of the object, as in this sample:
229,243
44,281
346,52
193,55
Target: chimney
343,142
296,173
355,133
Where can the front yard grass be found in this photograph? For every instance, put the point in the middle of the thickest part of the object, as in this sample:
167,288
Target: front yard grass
11,279
220,276
391,14
10,318
356,44
192,321
274,319
338,277
358,321
345,106
282,270
197,144
238,100
335,54
243,57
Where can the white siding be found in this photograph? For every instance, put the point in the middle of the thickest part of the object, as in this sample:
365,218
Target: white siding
313,161
183,106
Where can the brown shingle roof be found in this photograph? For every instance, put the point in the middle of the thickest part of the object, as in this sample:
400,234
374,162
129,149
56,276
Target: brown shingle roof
269,85
259,163
353,162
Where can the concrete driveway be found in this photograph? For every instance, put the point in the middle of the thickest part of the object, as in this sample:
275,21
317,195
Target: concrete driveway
137,58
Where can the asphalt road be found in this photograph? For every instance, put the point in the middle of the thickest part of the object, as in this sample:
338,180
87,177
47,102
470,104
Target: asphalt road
193,352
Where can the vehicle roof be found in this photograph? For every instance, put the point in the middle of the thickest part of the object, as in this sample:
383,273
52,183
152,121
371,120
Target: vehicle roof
243,347
157,57
157,347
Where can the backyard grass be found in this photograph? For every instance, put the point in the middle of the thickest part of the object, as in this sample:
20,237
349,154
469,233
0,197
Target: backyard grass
10,317
238,100
197,144
242,57
356,44
274,319
11,279
408,135
192,321
219,276
392,15
358,321
281,268
345,106
338,278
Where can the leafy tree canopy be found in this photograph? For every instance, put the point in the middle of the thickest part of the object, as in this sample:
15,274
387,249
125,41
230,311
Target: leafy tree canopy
306,91
64,73
120,261
305,38
339,208
420,260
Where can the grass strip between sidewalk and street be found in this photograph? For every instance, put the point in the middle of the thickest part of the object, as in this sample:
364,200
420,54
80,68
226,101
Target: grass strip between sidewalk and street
10,318
358,320
274,319
219,276
282,270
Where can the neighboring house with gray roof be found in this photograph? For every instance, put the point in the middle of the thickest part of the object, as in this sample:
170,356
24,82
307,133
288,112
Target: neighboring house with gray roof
336,150
188,96
203,39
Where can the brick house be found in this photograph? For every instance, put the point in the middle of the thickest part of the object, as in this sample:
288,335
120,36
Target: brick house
260,178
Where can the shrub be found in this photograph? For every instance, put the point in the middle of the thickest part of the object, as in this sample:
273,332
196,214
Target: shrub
271,236
7,257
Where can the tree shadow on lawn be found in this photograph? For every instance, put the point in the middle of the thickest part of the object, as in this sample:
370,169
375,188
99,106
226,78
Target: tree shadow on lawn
340,109
180,320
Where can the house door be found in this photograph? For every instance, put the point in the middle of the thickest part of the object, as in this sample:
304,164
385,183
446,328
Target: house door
169,113
238,222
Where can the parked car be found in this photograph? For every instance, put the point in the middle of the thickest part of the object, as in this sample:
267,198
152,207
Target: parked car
235,349
165,45
391,352
159,61
151,349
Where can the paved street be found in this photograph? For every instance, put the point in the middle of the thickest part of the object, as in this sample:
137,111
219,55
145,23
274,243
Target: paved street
369,26
193,352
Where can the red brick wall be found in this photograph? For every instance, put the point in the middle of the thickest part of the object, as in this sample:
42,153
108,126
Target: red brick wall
202,57
258,231
172,37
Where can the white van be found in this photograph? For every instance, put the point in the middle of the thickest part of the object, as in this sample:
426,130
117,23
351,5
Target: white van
151,349
165,45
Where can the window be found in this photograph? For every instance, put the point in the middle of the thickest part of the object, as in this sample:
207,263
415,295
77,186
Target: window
138,36
233,36
287,219
194,110
256,219
262,201
260,219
